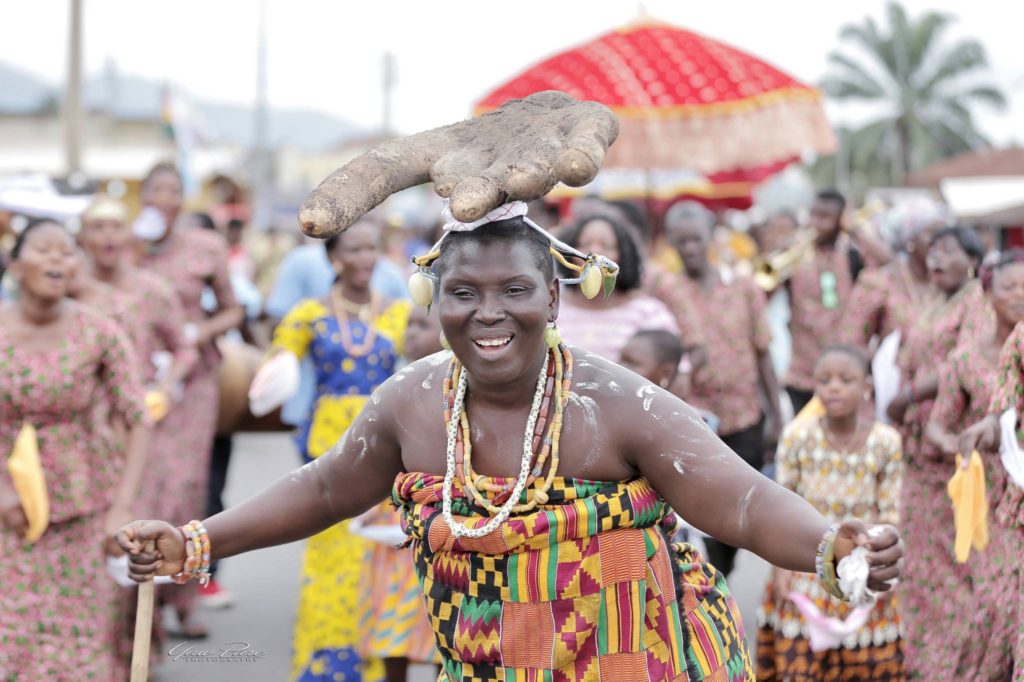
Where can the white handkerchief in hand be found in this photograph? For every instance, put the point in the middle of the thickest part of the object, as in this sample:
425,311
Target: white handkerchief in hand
275,383
853,572
1009,449
827,632
117,566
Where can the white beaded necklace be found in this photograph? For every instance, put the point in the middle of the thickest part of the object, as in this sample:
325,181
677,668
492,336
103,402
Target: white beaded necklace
460,530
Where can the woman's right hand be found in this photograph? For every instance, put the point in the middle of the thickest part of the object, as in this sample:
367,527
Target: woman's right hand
168,557
983,436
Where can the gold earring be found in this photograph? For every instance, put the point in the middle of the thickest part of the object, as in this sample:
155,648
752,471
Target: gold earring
444,342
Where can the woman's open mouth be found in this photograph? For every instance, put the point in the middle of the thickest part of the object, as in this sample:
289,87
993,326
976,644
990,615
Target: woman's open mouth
491,344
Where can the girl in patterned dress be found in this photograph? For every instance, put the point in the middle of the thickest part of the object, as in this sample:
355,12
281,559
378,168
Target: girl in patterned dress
926,515
58,359
983,649
355,339
845,464
192,260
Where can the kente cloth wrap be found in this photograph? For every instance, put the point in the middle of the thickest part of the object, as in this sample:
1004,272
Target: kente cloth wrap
584,588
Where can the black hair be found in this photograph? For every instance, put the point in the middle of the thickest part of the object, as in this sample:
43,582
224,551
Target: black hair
987,271
162,167
19,241
834,196
850,351
513,231
668,348
630,261
966,237
331,242
204,220
236,224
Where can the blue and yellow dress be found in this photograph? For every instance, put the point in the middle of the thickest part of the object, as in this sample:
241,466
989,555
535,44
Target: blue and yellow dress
327,629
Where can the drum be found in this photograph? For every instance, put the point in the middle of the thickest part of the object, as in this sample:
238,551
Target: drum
238,367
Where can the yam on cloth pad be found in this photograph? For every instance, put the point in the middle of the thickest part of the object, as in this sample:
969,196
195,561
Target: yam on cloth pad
516,152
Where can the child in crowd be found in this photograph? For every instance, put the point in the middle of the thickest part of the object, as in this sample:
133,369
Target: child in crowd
845,464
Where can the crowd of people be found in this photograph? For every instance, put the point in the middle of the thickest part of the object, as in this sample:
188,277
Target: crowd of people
853,377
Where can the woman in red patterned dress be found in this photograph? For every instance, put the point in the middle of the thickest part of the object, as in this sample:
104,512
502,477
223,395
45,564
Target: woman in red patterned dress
192,260
967,387
58,360
926,516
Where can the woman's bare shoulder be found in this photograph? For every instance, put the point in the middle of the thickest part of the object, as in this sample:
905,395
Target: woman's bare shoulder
414,382
618,390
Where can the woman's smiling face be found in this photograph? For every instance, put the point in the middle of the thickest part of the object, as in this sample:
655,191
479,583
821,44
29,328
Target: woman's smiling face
494,306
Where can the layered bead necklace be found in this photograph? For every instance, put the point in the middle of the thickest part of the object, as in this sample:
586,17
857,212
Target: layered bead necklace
543,429
365,313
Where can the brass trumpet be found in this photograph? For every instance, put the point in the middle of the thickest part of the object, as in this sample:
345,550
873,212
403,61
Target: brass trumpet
774,269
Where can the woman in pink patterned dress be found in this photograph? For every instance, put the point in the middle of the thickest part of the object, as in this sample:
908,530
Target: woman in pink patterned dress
58,359
153,319
983,648
925,513
602,326
1009,394
192,260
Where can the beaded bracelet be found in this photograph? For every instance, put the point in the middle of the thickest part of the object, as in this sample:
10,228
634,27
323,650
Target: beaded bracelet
825,562
197,550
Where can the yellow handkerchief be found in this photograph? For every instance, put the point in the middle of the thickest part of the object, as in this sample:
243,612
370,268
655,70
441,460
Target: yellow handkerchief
29,482
970,510
813,408
157,405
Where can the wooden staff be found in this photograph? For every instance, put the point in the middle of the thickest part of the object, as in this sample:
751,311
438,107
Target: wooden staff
143,627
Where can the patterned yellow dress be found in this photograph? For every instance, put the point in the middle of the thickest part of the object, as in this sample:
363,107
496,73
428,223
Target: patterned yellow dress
864,484
327,631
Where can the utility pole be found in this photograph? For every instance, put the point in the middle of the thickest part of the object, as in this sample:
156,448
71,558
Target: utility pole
388,89
262,186
72,113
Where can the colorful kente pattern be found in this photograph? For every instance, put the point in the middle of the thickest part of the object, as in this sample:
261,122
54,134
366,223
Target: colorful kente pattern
585,588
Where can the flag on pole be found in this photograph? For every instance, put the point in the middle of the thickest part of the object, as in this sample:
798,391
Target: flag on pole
179,124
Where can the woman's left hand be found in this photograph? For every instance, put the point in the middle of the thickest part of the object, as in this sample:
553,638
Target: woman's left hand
116,517
884,550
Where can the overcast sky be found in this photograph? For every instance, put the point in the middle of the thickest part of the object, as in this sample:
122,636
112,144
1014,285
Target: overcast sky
327,55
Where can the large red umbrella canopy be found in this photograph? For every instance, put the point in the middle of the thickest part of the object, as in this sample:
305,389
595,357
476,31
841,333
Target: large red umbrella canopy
685,101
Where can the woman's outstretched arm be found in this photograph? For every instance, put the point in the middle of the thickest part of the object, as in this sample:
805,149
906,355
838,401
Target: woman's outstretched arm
719,493
351,478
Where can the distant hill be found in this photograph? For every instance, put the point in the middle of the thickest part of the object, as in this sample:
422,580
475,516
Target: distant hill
138,98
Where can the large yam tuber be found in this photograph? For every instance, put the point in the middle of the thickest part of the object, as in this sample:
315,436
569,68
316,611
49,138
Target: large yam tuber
519,151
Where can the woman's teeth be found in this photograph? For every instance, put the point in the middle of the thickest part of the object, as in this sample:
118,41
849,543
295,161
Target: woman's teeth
493,343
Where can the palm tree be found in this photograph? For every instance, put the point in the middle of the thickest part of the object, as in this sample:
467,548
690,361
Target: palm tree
926,91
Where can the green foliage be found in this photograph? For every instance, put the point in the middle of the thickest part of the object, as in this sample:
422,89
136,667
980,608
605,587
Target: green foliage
926,89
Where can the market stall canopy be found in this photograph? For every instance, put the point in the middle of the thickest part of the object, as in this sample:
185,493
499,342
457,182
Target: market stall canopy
697,116
1005,162
990,200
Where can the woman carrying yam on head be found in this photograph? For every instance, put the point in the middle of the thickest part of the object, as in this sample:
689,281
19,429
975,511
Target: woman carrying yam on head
534,479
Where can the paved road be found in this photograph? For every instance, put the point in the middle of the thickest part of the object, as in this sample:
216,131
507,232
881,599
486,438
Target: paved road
266,585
